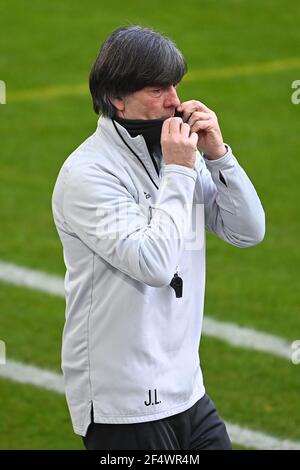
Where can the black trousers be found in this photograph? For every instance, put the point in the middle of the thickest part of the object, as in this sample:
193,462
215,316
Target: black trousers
198,428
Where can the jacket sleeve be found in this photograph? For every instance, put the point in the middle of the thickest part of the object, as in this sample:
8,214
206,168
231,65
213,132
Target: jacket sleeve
101,211
233,210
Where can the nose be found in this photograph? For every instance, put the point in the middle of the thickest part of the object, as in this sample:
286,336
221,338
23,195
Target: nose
171,98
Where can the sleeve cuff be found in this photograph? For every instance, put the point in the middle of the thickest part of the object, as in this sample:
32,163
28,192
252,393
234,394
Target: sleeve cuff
184,170
219,162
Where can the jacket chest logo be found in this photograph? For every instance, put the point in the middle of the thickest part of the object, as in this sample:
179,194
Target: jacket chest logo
147,195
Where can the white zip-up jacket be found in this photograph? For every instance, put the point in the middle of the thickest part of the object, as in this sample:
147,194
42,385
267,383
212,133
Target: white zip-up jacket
130,346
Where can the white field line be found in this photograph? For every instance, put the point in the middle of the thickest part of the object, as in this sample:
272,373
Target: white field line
37,280
218,73
230,333
258,440
27,374
247,338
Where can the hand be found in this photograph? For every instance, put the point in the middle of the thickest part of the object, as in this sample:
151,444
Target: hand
205,122
178,144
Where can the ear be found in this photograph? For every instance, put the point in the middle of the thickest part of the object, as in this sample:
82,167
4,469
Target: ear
118,103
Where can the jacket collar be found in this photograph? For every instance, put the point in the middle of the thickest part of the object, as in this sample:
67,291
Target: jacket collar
137,144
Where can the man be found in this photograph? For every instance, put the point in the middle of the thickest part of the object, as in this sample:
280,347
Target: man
131,205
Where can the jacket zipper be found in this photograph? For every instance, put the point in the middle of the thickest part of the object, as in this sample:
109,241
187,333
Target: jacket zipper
135,155
176,282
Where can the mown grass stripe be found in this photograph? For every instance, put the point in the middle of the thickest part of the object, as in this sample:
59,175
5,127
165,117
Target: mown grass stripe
215,73
244,70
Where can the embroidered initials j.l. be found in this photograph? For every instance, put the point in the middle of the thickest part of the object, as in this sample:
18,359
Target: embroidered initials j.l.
150,399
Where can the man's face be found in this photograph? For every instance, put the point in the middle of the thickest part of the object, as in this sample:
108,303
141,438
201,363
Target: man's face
152,102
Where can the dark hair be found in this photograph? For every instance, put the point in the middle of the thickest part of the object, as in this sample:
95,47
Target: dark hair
130,59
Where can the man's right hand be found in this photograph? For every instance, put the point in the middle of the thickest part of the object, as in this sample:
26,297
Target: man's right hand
178,146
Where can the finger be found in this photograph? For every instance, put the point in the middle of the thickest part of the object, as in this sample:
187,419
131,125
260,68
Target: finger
185,130
187,117
202,107
194,139
202,125
198,115
165,130
189,107
175,125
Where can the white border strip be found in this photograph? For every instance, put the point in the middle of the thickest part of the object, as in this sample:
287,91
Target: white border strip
28,374
231,333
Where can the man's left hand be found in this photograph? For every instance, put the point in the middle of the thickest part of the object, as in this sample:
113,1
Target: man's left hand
205,122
